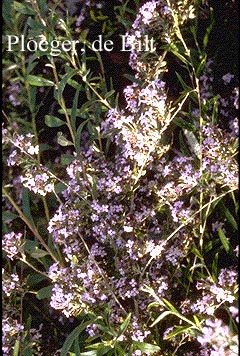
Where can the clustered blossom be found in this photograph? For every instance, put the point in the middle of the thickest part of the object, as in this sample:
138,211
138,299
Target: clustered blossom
39,181
113,240
14,91
153,16
110,221
227,107
22,146
11,244
10,283
86,6
12,330
218,156
24,143
138,133
216,339
214,295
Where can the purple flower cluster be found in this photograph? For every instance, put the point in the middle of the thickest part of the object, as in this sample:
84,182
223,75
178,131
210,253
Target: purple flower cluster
216,339
117,214
38,180
218,156
153,16
216,294
14,92
22,143
11,244
12,330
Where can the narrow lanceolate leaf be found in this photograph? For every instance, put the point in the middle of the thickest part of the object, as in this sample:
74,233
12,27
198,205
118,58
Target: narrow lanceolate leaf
16,348
53,121
178,330
170,306
160,317
74,108
124,325
186,87
39,81
44,292
145,347
23,8
73,336
39,253
224,240
26,206
64,81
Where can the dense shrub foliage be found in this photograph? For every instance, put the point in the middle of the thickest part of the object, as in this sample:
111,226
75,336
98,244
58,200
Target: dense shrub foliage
119,179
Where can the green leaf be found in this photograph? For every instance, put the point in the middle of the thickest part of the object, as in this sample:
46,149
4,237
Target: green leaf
26,206
39,253
160,317
197,322
8,216
34,278
23,8
28,352
39,81
215,267
201,66
62,141
124,325
64,81
53,121
66,159
60,187
73,336
7,12
196,265
29,246
224,240
103,349
16,348
183,146
186,87
109,93
45,147
78,136
36,26
170,306
133,78
153,305
230,219
176,313
43,6
44,292
74,109
145,347
183,123
208,30
77,348
172,48
178,330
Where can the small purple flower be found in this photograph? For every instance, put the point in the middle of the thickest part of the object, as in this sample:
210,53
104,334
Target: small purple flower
227,78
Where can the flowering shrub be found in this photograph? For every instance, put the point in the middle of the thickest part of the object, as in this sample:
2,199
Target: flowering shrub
119,222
